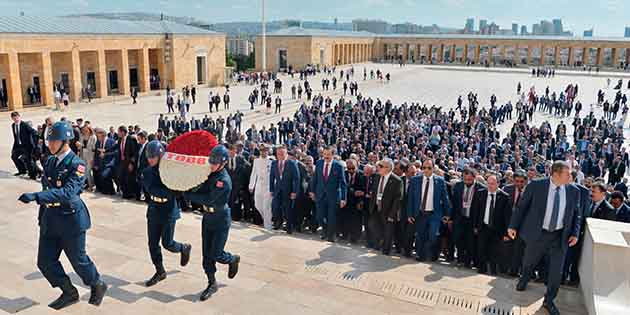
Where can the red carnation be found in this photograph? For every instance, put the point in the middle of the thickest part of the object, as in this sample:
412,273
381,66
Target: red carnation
197,143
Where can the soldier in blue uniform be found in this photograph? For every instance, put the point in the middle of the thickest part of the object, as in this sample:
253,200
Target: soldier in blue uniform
213,195
63,220
162,213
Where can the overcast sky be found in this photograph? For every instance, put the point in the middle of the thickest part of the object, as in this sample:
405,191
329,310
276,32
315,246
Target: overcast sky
607,17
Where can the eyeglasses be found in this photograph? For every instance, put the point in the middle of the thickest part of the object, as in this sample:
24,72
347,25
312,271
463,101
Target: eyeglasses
427,168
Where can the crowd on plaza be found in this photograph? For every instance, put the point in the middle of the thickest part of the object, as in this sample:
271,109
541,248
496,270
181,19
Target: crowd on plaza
412,179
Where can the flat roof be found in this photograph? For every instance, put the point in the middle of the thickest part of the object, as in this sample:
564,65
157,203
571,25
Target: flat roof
94,26
299,31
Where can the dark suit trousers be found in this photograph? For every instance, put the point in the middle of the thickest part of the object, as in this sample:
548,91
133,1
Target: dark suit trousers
487,247
327,215
22,159
465,240
382,231
550,244
425,240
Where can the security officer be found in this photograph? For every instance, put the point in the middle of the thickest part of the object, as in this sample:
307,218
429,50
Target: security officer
162,213
63,220
213,195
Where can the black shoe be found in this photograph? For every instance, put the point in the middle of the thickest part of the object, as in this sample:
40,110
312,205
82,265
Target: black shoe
19,173
209,291
331,239
69,296
521,285
233,269
185,255
420,259
97,293
551,308
157,277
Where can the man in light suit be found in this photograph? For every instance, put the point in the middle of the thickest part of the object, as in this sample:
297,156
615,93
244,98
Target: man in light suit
284,185
548,219
427,206
329,192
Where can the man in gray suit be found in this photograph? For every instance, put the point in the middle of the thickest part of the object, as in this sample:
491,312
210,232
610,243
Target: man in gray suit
548,219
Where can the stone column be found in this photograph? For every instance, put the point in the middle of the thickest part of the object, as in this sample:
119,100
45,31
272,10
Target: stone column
586,55
405,52
615,56
46,88
145,71
77,85
430,53
441,52
516,57
529,55
101,76
542,55
600,56
503,53
490,53
477,54
453,53
465,53
15,83
418,52
124,87
571,57
627,55
556,55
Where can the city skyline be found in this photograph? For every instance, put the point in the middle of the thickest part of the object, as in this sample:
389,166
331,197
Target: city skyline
605,17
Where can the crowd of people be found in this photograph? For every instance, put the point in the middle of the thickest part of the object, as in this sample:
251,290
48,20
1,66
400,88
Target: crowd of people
416,180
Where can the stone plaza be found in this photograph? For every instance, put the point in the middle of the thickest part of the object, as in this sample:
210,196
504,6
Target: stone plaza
280,273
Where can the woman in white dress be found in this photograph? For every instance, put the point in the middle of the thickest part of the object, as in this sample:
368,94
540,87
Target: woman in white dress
88,147
259,185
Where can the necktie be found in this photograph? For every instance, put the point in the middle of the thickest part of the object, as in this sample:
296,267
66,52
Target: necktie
490,210
281,167
517,195
380,192
425,195
122,150
325,172
17,133
593,207
466,201
553,222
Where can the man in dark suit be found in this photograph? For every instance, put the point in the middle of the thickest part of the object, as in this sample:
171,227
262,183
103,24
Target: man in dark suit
284,185
329,192
514,249
621,211
239,170
599,171
127,156
616,171
572,260
142,162
622,186
464,238
104,163
600,208
405,229
351,215
23,145
428,207
370,180
385,207
489,208
548,218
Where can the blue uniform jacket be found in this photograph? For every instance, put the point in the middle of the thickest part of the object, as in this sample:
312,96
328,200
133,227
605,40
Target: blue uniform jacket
61,209
163,205
335,187
213,193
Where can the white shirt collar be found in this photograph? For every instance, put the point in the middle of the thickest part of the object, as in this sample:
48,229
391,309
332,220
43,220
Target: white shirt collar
62,156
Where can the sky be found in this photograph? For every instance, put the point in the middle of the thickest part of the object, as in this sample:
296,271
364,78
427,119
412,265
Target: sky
607,17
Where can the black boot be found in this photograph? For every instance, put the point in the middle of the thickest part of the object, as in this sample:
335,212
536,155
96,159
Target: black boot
210,289
233,270
97,293
159,275
185,255
69,296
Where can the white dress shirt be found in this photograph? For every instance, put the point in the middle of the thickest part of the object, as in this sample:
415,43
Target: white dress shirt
429,203
549,210
492,196
383,182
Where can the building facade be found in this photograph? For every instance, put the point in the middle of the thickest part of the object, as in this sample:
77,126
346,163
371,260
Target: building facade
104,57
296,48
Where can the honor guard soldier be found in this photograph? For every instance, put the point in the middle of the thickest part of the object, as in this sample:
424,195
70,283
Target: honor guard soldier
63,220
213,195
162,213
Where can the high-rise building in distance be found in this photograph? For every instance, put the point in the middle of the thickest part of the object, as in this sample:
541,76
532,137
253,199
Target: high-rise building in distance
627,33
524,30
372,26
515,28
557,27
588,33
470,26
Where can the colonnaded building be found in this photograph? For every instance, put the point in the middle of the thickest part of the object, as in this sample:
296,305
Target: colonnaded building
297,47
106,57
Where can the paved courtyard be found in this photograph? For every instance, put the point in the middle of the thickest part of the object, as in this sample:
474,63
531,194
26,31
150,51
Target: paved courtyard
279,274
